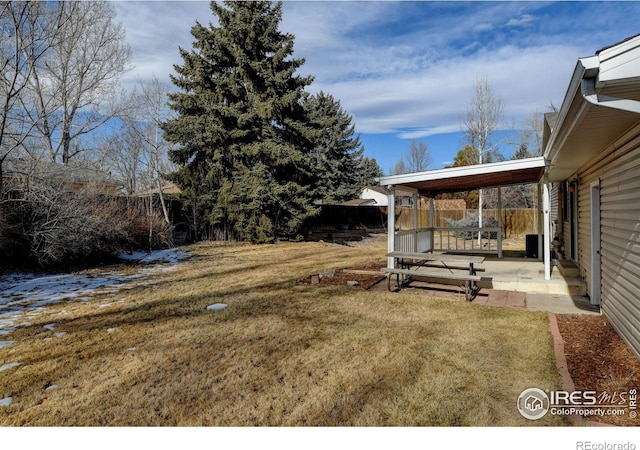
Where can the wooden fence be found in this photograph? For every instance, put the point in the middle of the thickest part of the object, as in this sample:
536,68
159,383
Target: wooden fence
515,222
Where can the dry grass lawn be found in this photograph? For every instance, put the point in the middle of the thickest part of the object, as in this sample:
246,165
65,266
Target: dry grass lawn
280,354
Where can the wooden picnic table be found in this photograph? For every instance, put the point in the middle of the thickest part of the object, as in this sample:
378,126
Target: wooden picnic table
413,265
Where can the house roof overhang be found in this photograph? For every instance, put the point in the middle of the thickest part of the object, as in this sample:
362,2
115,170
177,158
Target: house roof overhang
466,178
602,102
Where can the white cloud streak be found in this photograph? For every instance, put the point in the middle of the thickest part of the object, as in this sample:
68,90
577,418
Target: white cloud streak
396,67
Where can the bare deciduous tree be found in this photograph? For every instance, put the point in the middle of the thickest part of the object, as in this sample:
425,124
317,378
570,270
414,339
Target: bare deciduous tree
417,159
480,124
482,120
399,168
154,111
72,93
61,63
529,139
123,154
139,152
25,37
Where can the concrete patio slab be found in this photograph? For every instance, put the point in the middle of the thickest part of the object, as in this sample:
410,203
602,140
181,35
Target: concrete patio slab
530,301
523,275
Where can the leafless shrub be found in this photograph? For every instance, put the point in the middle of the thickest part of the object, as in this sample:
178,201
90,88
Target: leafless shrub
61,223
66,223
145,230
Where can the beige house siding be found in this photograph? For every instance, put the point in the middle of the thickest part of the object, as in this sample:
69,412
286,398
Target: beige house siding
592,144
554,212
584,228
618,172
566,238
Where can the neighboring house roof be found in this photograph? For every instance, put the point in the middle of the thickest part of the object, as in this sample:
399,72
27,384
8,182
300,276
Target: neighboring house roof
378,195
601,103
385,191
378,189
167,189
457,203
360,202
48,170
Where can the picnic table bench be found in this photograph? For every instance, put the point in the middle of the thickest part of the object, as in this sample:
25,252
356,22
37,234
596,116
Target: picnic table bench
413,265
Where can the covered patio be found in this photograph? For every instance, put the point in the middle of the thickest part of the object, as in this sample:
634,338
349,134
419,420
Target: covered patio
483,240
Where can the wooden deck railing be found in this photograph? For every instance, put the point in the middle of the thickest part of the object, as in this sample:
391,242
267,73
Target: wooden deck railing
418,240
443,239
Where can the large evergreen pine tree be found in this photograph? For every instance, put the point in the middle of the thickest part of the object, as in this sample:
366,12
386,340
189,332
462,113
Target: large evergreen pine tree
368,172
337,155
243,141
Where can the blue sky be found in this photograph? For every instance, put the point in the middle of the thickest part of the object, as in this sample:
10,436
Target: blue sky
406,70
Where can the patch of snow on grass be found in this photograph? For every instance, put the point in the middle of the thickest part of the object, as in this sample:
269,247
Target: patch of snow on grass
7,330
27,295
9,366
6,343
6,401
216,306
170,256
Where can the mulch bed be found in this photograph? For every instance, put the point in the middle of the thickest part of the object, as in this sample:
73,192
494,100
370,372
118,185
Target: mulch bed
344,277
598,360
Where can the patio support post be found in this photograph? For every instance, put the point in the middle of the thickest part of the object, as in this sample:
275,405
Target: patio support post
414,197
546,200
540,219
431,213
480,212
499,223
391,226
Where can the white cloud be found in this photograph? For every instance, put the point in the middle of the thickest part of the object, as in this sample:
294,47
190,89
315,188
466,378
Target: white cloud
482,27
155,30
524,19
425,132
418,104
405,68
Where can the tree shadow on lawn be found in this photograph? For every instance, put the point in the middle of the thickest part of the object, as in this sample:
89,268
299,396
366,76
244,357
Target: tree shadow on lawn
279,354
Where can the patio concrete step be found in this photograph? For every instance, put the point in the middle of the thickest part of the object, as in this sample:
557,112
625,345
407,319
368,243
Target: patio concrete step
568,268
557,285
528,276
571,286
